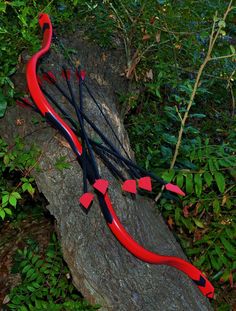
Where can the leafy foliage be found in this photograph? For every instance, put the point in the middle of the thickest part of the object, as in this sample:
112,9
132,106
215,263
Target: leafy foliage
207,212
46,283
18,32
15,164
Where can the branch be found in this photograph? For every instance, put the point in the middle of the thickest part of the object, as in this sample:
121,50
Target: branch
222,57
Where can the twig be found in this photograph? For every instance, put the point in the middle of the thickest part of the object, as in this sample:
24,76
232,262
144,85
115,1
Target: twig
223,56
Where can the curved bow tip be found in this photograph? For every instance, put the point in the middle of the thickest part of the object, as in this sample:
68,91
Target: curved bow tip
43,18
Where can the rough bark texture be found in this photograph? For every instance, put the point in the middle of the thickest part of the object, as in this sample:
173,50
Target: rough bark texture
102,270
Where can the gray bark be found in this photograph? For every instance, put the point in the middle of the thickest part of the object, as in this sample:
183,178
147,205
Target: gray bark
102,270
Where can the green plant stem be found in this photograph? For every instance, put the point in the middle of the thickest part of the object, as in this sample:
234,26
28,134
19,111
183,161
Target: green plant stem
186,114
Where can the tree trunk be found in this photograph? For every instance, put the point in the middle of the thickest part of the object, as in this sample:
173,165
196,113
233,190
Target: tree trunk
102,270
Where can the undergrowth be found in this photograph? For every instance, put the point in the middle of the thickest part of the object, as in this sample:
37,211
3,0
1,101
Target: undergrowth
46,282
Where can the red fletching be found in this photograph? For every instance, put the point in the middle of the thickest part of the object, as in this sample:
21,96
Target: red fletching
80,74
21,104
101,185
145,183
25,103
49,77
129,186
83,74
66,74
77,74
175,189
86,200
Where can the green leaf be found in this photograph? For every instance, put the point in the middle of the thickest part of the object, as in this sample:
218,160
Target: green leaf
200,261
5,199
200,154
215,262
36,285
222,24
26,269
8,211
2,214
211,165
229,204
16,195
228,246
180,180
222,259
198,115
216,206
216,164
12,200
208,178
27,186
170,139
177,214
16,300
168,175
232,49
3,7
35,258
220,181
30,288
198,223
226,274
39,263
189,183
29,272
17,3
198,184
6,160
188,224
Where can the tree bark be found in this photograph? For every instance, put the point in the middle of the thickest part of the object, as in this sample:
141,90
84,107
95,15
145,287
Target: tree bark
102,270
